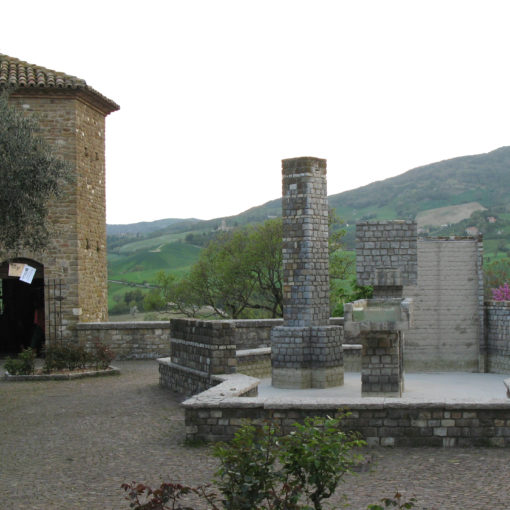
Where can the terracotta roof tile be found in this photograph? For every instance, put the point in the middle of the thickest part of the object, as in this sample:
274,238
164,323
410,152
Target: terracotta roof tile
15,73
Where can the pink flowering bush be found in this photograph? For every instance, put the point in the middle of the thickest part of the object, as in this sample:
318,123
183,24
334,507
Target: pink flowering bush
502,293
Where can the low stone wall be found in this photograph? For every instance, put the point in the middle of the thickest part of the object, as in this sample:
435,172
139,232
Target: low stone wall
257,362
216,415
201,349
254,333
183,380
206,346
497,336
254,362
129,340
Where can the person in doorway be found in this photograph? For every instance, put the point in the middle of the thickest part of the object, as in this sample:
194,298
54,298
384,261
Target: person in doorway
37,340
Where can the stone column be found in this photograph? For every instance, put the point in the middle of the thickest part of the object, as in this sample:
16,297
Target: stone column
306,350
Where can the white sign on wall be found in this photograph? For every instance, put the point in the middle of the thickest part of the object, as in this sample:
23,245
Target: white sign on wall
28,274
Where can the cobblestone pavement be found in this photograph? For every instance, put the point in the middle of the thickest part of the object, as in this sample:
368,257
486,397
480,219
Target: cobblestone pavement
71,444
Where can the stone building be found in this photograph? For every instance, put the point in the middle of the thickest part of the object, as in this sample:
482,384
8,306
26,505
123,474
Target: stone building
70,283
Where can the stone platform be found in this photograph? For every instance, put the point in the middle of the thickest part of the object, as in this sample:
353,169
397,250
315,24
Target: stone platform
447,409
423,387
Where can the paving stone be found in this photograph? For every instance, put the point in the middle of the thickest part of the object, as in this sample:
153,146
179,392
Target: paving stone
71,444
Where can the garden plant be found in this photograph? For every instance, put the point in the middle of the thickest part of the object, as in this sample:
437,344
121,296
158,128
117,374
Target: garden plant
260,469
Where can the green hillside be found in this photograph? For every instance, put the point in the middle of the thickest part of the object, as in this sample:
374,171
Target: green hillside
142,266
137,252
484,178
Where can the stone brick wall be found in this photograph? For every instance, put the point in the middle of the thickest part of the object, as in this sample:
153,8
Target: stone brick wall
129,340
254,362
254,334
206,346
386,244
447,305
183,380
217,414
75,128
498,336
202,349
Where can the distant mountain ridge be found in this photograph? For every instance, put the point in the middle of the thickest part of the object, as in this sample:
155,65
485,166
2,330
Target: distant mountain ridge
482,178
474,188
143,227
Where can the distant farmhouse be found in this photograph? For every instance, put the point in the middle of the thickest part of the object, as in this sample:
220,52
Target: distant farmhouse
70,282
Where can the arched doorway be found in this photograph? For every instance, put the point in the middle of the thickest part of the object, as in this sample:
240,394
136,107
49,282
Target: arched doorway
21,308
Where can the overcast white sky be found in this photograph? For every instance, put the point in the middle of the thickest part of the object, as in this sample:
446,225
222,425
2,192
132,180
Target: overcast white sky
214,93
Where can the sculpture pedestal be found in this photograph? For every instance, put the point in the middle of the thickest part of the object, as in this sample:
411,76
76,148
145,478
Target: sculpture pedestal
382,372
307,357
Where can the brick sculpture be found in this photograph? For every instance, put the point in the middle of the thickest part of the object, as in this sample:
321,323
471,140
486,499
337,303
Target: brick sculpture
306,350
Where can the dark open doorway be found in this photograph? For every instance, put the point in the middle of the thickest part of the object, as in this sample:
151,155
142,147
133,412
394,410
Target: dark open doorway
21,310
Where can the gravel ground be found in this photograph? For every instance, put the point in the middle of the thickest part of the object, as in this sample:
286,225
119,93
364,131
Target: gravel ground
71,444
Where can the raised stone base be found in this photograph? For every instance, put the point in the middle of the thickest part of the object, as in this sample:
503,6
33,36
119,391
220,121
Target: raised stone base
302,378
382,373
307,357
291,378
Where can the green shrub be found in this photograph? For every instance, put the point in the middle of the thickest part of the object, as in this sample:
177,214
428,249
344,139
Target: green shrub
102,356
22,365
72,357
259,470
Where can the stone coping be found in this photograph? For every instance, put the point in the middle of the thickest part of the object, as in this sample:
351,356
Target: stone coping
62,377
230,386
182,368
228,394
123,325
253,352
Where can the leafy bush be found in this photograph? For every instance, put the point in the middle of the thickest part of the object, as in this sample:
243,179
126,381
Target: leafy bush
395,502
259,470
167,496
22,365
68,356
102,356
72,357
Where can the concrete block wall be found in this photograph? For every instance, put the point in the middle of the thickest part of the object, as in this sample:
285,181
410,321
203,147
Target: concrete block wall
498,336
128,340
447,332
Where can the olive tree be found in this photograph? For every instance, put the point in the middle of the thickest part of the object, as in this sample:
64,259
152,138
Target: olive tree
30,175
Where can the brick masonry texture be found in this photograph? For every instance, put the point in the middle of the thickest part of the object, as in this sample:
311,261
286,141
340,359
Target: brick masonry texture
305,242
381,363
384,422
386,244
72,119
128,340
498,336
306,344
201,349
447,331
